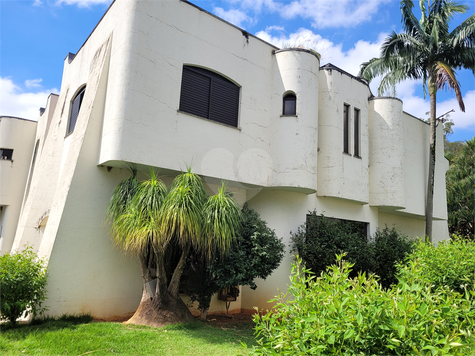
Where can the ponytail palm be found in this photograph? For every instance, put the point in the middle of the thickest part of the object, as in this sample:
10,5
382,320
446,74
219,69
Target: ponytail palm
426,50
153,223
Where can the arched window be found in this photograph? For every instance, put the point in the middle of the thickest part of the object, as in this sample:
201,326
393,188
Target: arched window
209,95
75,106
289,106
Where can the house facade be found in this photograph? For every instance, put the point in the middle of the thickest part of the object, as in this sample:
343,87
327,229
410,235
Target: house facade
166,84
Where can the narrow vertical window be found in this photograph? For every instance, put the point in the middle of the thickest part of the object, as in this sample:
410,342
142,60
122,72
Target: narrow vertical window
289,106
356,151
346,134
76,105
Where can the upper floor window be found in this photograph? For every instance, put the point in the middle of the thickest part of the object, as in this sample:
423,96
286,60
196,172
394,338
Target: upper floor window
346,124
6,153
289,106
356,118
76,105
209,95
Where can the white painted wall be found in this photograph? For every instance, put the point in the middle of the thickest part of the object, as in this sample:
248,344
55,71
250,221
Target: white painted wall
342,175
17,134
387,150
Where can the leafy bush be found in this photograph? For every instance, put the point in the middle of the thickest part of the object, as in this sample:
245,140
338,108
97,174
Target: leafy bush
451,264
256,253
387,248
320,239
23,284
336,314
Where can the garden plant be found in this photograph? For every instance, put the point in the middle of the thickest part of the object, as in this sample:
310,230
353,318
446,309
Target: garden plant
23,280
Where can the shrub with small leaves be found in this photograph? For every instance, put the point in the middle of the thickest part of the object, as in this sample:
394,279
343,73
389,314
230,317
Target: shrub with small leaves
23,285
335,314
321,238
451,264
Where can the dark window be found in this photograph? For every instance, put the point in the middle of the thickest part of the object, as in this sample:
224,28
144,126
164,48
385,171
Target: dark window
346,134
209,95
76,105
356,152
351,226
6,153
289,106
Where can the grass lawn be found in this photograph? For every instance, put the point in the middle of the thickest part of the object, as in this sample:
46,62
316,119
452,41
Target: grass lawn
78,336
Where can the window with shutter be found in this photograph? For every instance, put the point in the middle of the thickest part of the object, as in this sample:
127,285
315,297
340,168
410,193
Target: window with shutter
76,105
209,95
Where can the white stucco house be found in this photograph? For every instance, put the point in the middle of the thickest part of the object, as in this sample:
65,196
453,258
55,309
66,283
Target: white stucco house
166,84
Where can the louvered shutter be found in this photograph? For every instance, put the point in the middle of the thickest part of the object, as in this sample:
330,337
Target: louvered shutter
195,89
224,103
209,95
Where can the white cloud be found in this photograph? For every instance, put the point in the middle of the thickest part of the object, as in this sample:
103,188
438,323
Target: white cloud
332,13
236,17
333,53
82,3
33,83
322,13
274,28
462,120
257,5
15,102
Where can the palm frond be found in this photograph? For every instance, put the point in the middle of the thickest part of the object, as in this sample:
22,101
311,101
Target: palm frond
182,209
122,195
222,218
464,34
446,78
410,23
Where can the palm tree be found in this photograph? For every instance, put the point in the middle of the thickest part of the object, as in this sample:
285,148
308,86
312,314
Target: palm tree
426,50
160,227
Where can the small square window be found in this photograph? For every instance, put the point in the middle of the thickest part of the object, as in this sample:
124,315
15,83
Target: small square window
6,153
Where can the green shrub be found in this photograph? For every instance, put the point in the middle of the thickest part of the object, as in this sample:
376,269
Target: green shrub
451,264
23,285
256,252
387,248
335,314
320,239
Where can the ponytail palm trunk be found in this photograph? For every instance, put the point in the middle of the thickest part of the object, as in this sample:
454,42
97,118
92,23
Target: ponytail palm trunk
160,227
426,50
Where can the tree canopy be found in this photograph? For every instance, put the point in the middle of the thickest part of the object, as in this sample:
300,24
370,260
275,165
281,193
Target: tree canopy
460,180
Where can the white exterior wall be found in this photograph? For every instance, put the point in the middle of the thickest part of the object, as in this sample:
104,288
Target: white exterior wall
132,65
386,153
342,175
17,134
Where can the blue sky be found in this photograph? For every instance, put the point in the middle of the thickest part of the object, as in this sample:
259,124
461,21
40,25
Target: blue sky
36,36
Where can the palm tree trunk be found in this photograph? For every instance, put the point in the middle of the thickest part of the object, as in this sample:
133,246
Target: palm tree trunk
174,287
162,290
430,183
